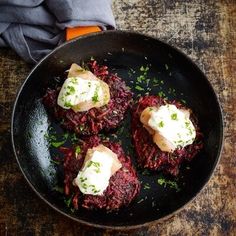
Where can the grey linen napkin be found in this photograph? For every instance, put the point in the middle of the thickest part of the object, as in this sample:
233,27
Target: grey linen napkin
34,27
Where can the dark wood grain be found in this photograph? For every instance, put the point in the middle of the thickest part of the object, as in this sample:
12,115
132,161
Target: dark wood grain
205,30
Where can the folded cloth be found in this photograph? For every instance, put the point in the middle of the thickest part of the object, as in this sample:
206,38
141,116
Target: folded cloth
34,27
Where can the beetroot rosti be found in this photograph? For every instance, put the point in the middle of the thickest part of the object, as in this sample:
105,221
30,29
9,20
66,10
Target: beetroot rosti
94,120
149,154
123,185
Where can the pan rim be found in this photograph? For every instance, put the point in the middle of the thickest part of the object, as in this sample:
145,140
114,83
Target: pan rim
147,223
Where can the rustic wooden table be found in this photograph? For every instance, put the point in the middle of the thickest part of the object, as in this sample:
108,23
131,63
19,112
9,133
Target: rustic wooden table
206,31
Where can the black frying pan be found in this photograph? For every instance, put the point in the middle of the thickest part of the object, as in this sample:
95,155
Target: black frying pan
120,51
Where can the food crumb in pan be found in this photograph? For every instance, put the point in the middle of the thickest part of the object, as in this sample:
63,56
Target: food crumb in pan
146,172
58,189
141,200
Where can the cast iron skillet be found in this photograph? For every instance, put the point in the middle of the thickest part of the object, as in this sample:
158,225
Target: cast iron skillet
120,51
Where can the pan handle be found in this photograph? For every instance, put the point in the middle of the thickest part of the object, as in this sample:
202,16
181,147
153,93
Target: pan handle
81,30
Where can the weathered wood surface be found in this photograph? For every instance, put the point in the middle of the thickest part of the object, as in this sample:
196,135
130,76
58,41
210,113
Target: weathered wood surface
205,30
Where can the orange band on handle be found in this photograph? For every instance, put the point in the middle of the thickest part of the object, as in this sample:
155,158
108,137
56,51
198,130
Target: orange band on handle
81,30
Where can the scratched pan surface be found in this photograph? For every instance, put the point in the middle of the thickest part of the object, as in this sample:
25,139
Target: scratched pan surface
175,76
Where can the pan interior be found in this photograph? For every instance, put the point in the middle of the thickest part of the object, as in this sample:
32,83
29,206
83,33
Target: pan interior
170,74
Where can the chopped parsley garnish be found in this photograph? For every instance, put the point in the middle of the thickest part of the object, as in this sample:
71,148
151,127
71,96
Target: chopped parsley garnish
77,150
187,124
82,179
172,91
161,94
57,144
52,139
73,80
68,201
73,138
174,116
95,164
161,124
140,78
55,162
96,190
144,69
139,88
146,172
71,90
146,186
155,80
95,96
68,104
168,183
58,189
85,186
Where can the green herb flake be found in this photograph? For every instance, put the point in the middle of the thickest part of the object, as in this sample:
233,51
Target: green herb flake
73,138
144,69
68,104
57,144
174,116
68,201
146,186
95,96
77,150
168,183
161,124
146,172
55,162
161,94
166,66
58,189
96,165
155,80
139,88
82,179
71,90
187,124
